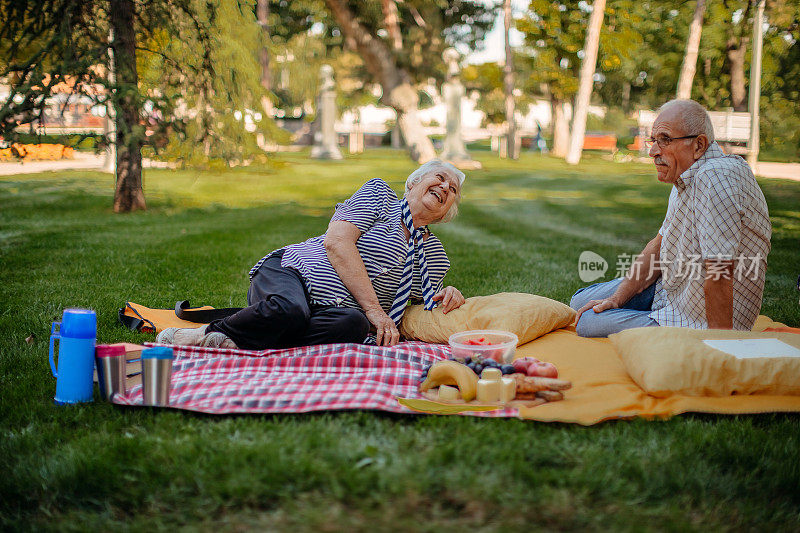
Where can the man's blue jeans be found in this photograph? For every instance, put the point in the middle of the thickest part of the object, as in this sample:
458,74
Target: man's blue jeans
632,315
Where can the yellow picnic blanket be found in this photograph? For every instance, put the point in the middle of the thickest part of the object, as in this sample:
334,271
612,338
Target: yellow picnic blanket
601,388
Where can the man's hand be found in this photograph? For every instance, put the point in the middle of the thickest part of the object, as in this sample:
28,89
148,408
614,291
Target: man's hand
598,305
450,297
386,332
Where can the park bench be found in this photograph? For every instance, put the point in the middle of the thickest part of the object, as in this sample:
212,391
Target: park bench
637,145
30,152
591,141
600,141
731,129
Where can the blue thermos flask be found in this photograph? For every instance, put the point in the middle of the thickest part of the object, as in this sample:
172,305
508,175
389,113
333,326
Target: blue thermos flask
76,334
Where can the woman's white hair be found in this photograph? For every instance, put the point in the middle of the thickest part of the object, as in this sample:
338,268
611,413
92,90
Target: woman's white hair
694,117
432,166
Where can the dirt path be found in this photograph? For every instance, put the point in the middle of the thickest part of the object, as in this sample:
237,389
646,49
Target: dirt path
787,171
82,160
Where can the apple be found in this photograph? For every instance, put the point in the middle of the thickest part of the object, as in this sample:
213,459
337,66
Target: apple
521,365
549,370
543,370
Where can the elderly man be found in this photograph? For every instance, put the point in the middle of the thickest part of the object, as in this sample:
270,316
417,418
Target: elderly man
706,266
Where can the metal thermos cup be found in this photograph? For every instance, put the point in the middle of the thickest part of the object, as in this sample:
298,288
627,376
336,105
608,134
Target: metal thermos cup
110,361
156,375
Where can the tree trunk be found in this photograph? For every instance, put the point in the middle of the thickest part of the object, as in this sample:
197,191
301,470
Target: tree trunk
692,47
626,96
262,13
735,52
755,87
398,92
585,82
560,128
508,85
128,194
202,118
391,22
110,158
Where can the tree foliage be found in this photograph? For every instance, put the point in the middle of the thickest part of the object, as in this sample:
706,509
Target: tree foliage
198,94
44,45
202,78
641,51
487,80
198,82
780,109
555,33
426,29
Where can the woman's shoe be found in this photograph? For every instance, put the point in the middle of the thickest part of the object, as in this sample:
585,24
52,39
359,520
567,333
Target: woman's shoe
166,336
182,336
217,339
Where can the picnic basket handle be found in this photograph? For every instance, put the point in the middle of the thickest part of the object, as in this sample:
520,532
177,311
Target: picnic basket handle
53,336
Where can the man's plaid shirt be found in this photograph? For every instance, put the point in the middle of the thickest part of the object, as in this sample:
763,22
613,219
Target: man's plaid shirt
716,210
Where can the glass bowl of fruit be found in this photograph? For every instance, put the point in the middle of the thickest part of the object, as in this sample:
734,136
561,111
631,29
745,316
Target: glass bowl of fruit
497,345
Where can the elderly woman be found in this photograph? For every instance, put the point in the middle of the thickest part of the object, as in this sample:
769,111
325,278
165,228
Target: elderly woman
353,283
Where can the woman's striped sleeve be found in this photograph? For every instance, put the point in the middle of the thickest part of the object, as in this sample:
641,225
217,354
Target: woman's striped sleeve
366,206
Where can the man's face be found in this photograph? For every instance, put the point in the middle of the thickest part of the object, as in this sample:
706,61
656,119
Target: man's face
674,159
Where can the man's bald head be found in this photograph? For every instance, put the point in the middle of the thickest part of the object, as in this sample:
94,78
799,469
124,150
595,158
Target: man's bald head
682,132
690,115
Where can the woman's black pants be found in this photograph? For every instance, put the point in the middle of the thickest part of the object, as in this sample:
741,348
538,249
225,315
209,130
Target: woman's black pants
280,316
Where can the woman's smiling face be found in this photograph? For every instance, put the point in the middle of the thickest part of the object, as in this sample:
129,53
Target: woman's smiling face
432,196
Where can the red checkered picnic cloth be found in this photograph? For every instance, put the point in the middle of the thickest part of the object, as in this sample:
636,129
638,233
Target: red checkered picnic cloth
299,380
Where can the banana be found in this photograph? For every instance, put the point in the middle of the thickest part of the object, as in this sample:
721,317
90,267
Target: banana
452,373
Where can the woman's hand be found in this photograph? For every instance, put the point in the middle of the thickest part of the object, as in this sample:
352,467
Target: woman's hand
386,332
450,297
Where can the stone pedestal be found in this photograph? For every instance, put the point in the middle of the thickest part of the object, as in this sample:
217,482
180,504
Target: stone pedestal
326,144
396,138
356,140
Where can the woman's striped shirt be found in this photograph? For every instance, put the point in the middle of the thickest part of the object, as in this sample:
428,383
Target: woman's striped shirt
375,210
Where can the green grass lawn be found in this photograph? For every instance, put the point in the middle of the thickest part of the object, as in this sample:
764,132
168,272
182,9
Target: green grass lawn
521,228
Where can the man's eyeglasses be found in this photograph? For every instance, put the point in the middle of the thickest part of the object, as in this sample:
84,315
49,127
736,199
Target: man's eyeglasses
664,141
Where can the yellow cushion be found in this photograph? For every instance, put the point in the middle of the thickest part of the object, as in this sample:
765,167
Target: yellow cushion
527,315
663,361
